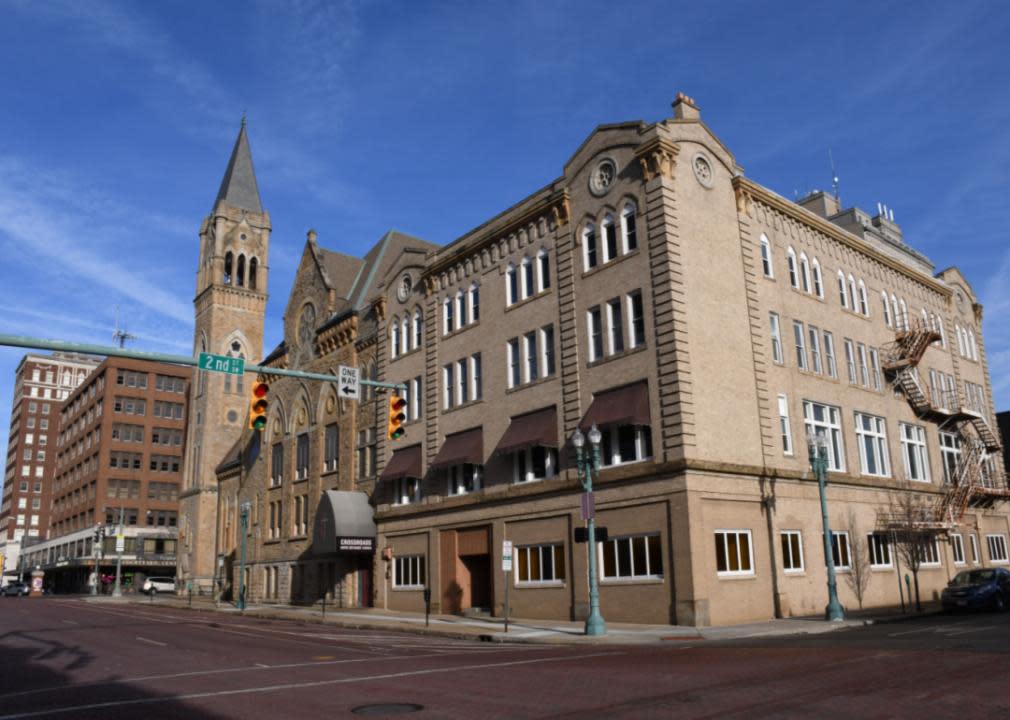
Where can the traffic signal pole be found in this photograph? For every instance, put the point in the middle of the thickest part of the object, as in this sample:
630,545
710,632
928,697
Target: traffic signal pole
88,349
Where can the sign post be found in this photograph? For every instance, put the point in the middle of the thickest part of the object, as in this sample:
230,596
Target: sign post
348,381
506,566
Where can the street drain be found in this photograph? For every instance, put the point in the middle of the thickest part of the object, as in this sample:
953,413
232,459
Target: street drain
380,709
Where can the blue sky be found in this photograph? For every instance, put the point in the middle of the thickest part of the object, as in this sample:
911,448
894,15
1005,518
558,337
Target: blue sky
117,118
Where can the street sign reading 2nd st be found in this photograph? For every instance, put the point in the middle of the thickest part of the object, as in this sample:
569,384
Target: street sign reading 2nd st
222,364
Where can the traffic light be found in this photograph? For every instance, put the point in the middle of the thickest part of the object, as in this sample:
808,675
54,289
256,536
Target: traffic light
397,414
258,405
97,534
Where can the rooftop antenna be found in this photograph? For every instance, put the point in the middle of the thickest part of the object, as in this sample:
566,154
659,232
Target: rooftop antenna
834,176
121,336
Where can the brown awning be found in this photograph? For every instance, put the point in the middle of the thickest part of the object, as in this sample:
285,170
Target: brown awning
462,447
539,427
405,463
627,405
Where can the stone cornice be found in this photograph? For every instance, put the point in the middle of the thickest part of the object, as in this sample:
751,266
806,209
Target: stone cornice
748,191
337,335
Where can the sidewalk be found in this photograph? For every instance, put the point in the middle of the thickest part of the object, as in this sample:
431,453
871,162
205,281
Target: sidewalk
519,630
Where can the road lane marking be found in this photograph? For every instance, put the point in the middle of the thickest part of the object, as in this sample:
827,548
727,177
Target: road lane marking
298,686
152,642
70,622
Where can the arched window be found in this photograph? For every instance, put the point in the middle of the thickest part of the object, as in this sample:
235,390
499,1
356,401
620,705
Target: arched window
474,302
240,272
589,246
972,345
448,320
227,268
864,306
895,312
461,313
405,336
943,333
528,287
511,285
629,227
904,314
805,272
925,318
887,308
818,280
766,257
853,297
609,238
843,296
394,337
418,327
253,264
543,270
960,339
791,261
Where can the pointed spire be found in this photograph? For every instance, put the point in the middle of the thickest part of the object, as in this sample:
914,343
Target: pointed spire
238,188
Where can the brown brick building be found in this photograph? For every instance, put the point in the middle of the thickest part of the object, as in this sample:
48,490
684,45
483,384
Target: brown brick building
119,453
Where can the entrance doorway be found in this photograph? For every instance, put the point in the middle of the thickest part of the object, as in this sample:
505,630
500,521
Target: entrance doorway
467,580
479,569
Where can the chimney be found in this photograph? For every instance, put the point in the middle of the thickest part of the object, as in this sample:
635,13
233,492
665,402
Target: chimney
685,109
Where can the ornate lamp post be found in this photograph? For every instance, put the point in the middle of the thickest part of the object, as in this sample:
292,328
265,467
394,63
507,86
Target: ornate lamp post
818,447
586,467
243,516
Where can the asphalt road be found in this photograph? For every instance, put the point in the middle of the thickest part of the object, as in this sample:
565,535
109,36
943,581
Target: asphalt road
65,658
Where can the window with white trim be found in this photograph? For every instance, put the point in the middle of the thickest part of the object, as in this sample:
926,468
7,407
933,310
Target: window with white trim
801,348
878,383
913,450
853,296
864,368
394,338
794,279
629,227
589,253
805,272
623,444
880,550
616,325
815,349
829,354
929,553
462,383
547,350
997,549
418,328
540,564
416,399
850,360
733,553
776,336
594,323
534,463
840,550
514,376
408,571
792,551
785,430
448,385
464,479
957,548
632,557
609,238
864,306
448,316
843,296
766,257
476,377
871,437
818,280
302,457
826,420
887,308
406,491
511,285
531,362
461,309
950,454
473,299
528,288
636,318
974,548
543,270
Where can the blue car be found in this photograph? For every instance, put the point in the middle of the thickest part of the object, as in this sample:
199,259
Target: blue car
975,589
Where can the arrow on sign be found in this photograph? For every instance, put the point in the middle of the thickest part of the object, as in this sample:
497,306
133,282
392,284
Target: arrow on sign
347,390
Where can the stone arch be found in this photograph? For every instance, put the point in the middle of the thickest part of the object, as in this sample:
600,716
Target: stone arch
228,268
240,271
302,416
276,422
253,267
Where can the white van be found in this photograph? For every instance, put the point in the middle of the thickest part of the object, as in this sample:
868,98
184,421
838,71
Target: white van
155,585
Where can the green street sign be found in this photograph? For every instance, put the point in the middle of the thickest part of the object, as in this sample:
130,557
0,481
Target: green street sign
222,364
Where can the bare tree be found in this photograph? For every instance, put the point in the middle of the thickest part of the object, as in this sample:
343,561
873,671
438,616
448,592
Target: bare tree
858,577
913,527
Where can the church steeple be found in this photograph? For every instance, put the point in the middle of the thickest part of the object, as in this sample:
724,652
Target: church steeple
238,187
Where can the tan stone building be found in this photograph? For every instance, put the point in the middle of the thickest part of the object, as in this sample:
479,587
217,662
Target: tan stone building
705,325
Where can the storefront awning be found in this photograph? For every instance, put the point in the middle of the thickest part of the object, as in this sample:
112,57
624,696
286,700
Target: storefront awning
539,427
626,405
405,463
460,448
344,523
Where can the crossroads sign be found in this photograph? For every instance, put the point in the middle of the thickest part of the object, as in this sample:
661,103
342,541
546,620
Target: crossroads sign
222,364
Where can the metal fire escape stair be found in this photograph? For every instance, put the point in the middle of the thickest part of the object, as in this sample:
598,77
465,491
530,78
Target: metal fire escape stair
977,482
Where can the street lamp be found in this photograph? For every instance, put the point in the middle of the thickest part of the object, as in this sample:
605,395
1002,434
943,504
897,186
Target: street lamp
117,591
818,446
586,467
243,516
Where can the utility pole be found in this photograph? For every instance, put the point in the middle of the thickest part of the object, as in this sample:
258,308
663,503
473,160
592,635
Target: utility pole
117,591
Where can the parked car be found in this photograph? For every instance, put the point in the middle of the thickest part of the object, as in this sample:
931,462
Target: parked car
981,588
155,585
17,589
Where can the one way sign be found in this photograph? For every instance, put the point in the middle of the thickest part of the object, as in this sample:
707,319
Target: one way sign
348,383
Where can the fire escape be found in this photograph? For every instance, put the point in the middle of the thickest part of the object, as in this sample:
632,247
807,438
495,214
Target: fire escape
978,478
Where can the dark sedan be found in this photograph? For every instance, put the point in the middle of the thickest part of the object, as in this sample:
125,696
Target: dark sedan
17,589
974,589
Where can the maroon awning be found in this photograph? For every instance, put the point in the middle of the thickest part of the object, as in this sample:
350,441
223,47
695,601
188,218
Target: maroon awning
460,448
405,463
539,427
626,405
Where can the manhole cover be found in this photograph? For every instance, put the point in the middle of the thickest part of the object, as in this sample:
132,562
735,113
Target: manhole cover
380,709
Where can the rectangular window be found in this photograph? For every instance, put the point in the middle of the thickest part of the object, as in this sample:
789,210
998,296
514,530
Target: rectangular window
632,557
544,264
950,452
773,321
277,464
332,447
871,437
616,323
733,554
829,354
595,322
997,549
974,548
815,349
636,318
535,463
623,444
840,550
463,389
513,353
875,367
785,430
448,384
880,550
610,240
792,551
801,350
447,316
464,479
957,548
408,571
416,400
302,469
540,564
407,491
930,554
476,377
850,360
547,349
512,284
460,309
913,450
826,420
531,362
864,371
